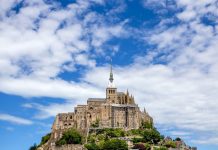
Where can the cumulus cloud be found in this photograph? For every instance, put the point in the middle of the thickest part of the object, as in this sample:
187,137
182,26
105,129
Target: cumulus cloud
180,92
55,88
40,39
15,119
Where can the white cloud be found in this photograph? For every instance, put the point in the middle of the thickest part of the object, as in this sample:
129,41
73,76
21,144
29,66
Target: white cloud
55,88
15,119
51,110
38,41
207,140
181,93
179,133
187,97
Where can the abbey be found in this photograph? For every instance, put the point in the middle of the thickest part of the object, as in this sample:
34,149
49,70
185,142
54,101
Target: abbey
116,110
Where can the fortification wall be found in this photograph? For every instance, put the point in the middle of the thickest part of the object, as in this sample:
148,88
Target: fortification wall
69,147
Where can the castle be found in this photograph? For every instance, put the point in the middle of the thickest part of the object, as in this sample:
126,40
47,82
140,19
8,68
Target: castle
116,110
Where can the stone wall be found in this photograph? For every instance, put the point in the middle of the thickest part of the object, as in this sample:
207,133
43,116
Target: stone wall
69,147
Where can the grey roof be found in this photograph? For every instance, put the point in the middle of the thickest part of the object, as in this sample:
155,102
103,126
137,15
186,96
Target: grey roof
120,93
96,99
124,105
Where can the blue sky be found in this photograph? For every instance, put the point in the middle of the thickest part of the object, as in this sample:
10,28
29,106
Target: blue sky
56,54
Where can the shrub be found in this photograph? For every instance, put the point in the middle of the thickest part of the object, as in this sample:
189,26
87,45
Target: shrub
147,146
137,140
71,136
152,136
115,144
101,137
169,144
45,139
135,132
160,148
34,147
139,147
95,124
178,139
92,146
115,132
146,125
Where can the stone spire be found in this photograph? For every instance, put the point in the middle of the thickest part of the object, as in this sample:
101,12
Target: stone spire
111,79
144,110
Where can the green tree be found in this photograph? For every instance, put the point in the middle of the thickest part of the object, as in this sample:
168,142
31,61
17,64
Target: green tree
178,139
139,146
160,148
115,144
115,132
95,124
151,136
169,144
34,147
71,136
146,125
147,146
134,132
45,139
137,140
92,146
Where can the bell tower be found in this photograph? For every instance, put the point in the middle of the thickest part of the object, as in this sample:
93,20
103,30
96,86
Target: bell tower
111,90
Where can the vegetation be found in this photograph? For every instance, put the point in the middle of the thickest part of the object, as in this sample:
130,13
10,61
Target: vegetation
115,132
146,125
34,147
45,139
109,138
142,146
169,144
112,144
95,124
147,146
160,148
92,146
137,140
151,136
115,144
134,132
71,136
104,134
177,139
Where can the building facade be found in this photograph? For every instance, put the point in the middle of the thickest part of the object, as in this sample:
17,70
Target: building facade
116,110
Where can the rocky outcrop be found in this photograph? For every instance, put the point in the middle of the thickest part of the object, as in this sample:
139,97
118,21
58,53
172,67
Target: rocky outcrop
64,147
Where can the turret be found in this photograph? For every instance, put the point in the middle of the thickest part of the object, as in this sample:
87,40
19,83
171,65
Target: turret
111,90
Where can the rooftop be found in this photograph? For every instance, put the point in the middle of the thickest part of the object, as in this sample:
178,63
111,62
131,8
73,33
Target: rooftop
96,99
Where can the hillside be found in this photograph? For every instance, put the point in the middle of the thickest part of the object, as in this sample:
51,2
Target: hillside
146,137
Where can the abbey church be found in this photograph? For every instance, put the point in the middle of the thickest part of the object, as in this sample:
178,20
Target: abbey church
116,110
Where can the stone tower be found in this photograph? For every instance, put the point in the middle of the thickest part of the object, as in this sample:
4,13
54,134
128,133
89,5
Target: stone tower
111,90
116,110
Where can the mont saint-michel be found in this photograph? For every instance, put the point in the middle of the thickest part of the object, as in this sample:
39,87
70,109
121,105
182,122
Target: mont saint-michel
110,123
116,110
